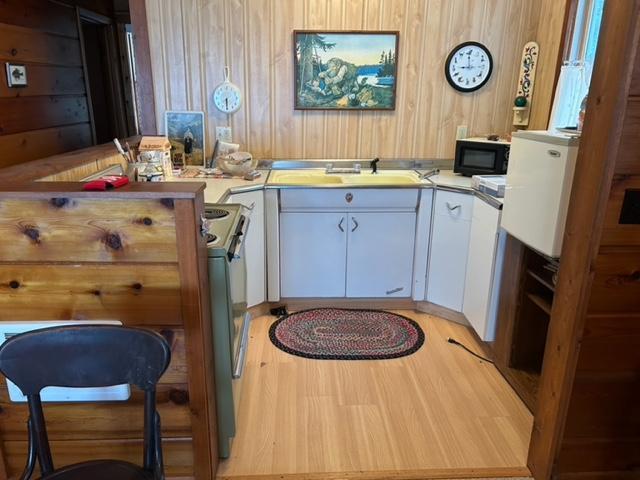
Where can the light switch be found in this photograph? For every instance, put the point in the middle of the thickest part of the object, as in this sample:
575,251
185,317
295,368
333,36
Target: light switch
16,75
223,134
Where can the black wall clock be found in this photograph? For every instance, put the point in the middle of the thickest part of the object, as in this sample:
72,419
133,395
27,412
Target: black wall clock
468,66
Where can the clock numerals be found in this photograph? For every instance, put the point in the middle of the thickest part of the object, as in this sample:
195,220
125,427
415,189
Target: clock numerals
227,97
468,66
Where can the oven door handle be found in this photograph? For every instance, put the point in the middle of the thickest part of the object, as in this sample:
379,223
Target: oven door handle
234,249
242,349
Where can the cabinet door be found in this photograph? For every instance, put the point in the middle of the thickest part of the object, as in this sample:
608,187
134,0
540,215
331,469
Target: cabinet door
313,248
380,254
449,249
480,268
255,245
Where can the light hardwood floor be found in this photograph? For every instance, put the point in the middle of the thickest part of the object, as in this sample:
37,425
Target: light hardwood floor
439,413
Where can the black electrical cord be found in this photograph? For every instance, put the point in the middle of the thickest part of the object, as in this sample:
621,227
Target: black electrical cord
455,342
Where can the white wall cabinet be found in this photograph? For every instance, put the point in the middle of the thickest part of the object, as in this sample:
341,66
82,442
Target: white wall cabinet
313,248
484,263
255,246
380,254
449,247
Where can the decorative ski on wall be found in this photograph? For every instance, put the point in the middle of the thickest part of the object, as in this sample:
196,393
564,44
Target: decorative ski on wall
522,103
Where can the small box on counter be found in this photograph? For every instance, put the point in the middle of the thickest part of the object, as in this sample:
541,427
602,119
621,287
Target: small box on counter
157,150
493,185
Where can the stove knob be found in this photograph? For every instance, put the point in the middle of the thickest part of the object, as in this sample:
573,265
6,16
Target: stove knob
348,197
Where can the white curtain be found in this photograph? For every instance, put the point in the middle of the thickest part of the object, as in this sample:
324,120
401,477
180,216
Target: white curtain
573,85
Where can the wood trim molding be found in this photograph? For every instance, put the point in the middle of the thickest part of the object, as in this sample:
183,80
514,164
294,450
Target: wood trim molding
144,83
592,182
195,313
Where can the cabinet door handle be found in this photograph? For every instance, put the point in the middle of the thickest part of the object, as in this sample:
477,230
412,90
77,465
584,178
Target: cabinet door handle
394,290
453,207
340,224
355,224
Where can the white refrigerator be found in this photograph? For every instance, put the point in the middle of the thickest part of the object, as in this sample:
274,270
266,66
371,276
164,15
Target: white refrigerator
538,189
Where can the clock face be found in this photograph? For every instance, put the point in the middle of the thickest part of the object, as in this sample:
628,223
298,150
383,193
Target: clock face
227,97
468,66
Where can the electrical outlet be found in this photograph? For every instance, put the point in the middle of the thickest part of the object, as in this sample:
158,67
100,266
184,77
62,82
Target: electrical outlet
223,134
461,132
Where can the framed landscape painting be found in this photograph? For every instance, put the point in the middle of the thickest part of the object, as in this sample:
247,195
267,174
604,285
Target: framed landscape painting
185,131
338,70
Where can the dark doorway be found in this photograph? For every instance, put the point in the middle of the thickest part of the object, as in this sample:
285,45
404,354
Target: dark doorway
108,69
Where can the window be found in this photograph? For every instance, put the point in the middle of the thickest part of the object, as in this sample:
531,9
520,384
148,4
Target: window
575,74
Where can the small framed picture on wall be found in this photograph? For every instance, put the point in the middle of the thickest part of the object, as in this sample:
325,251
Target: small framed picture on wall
185,130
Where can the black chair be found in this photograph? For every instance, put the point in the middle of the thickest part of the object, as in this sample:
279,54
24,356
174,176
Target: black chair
88,356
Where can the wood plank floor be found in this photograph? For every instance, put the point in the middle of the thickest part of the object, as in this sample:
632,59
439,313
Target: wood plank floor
439,413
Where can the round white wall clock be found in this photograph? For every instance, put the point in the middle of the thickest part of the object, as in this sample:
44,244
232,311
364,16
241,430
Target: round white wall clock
468,67
227,96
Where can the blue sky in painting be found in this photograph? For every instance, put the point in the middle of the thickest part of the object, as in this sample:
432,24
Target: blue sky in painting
359,49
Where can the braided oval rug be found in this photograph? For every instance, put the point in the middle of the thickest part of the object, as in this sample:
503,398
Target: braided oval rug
346,334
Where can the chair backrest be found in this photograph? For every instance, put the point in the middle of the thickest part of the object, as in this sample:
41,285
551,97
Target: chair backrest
86,356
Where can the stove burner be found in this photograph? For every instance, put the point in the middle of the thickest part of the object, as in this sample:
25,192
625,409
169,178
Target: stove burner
211,238
215,213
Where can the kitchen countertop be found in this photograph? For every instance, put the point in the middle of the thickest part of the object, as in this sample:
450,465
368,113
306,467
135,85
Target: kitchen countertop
218,189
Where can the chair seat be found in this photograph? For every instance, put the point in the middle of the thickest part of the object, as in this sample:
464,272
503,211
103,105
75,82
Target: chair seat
100,470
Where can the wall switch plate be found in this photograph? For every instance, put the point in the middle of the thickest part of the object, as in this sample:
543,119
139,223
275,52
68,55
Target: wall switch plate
16,75
462,132
223,134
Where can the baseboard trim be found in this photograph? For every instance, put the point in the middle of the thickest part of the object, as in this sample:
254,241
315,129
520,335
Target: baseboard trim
442,312
294,304
515,473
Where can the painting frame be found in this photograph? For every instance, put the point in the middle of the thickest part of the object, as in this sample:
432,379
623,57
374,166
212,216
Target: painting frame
297,83
178,120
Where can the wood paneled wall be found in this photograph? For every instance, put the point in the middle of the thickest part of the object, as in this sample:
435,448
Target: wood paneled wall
68,254
192,40
51,114
587,423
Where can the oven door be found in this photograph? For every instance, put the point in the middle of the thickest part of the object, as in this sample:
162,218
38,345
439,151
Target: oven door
239,328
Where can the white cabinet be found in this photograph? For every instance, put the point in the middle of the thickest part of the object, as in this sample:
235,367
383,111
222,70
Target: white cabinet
380,254
483,270
313,248
356,243
255,246
449,247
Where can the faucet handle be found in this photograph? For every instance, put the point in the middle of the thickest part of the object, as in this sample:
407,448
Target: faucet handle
374,162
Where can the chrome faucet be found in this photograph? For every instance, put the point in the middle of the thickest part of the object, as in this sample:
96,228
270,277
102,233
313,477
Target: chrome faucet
374,165
430,174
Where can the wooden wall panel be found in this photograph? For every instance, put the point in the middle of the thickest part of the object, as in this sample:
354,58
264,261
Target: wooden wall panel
33,113
107,420
629,161
20,44
141,231
146,287
43,35
39,15
178,453
24,146
48,80
588,415
136,295
191,43
550,38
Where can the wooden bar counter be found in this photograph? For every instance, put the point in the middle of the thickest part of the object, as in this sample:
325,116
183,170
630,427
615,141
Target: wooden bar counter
135,255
